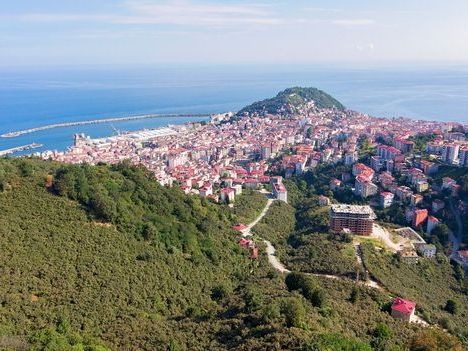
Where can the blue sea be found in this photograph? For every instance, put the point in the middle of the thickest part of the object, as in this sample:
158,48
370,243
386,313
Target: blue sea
31,97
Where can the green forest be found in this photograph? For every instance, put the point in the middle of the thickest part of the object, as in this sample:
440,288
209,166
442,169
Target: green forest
291,100
102,257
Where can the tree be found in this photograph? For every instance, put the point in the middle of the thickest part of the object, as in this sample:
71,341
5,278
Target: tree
270,312
459,273
220,292
295,281
433,339
253,299
318,297
441,231
381,334
451,306
294,312
355,294
149,232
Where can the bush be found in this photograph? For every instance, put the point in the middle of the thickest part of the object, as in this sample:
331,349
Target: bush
294,312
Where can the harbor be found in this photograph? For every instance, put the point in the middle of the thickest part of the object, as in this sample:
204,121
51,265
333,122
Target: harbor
97,121
20,148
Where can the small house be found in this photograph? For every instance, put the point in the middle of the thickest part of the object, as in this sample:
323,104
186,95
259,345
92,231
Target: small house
403,309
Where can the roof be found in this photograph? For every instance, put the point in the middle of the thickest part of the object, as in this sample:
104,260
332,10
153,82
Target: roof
239,227
403,306
358,209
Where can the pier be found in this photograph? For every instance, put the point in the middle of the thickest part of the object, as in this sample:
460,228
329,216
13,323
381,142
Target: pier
98,121
20,148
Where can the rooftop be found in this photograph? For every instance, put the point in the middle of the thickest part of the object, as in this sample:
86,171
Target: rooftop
352,209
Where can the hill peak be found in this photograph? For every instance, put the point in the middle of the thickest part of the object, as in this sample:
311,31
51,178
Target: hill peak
293,100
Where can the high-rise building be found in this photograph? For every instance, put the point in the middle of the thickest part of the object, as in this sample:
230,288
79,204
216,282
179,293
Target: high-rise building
450,153
464,156
357,219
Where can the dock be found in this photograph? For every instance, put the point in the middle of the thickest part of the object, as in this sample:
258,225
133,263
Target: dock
20,148
98,121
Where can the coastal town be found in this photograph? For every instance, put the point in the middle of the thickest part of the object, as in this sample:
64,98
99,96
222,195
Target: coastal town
218,159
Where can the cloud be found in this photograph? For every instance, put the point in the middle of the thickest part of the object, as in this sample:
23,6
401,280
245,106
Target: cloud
171,12
353,22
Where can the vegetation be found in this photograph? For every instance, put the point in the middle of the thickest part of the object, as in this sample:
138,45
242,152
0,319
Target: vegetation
102,258
248,206
277,224
440,297
320,253
291,101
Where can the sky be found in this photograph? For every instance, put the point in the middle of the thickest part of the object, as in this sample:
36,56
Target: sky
72,32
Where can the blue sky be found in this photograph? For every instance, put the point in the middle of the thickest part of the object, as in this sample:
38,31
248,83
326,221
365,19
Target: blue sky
69,32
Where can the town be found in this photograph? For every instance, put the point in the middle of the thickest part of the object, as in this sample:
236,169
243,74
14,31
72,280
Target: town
216,160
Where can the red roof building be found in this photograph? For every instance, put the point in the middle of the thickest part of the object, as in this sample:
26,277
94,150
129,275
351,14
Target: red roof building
420,217
403,309
239,227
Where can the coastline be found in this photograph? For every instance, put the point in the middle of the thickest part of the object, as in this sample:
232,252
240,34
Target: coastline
95,121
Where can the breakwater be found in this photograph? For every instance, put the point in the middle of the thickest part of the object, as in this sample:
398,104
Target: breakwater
20,148
97,121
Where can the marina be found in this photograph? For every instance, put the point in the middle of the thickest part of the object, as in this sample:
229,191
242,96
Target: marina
96,121
20,148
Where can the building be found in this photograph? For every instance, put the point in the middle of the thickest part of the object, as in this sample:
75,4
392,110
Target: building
437,205
432,222
278,188
419,217
386,199
416,199
464,157
426,250
377,163
227,195
450,153
387,152
364,188
253,252
350,158
403,309
358,219
409,256
266,152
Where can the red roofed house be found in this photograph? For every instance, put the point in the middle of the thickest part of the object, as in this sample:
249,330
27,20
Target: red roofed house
227,195
420,217
245,242
239,227
403,309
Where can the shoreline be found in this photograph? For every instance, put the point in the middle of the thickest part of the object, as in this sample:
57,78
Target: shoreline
98,121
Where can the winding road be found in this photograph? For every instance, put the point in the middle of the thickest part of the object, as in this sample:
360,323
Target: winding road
280,267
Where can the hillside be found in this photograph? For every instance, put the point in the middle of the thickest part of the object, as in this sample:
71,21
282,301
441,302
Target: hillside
291,101
100,258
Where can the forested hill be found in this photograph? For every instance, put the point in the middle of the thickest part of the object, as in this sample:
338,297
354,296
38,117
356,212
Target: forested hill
99,258
292,100
104,258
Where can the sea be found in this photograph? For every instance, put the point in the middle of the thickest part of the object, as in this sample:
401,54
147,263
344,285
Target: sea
32,97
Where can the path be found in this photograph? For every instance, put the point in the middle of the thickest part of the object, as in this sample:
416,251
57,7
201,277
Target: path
246,231
276,263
